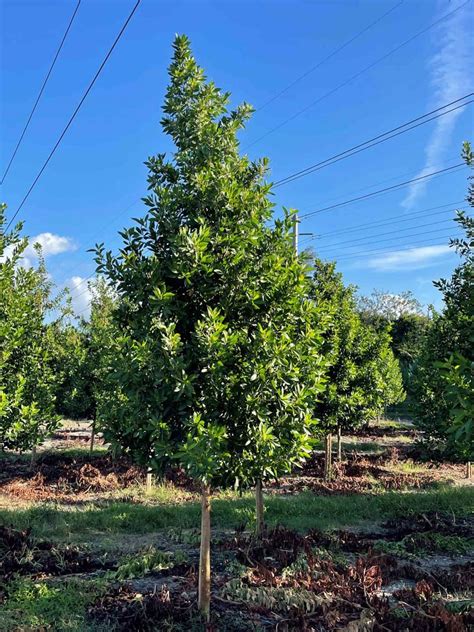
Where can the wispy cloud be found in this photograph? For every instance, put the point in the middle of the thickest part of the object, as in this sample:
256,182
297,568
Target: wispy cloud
450,71
411,258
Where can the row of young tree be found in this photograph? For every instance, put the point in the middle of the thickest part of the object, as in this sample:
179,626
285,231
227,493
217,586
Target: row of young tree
211,344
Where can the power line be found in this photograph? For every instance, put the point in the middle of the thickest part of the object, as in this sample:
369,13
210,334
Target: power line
327,58
411,172
89,88
358,74
384,190
41,91
407,217
381,138
397,221
394,249
375,238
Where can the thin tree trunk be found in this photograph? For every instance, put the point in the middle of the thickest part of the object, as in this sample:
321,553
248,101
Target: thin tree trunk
33,457
339,444
149,480
328,458
91,449
468,469
259,509
204,590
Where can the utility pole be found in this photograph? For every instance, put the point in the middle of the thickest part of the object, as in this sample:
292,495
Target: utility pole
296,233
296,230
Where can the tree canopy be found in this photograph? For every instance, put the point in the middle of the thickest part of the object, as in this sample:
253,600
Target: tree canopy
27,378
217,360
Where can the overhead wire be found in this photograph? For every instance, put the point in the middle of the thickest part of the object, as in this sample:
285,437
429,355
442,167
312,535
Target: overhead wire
40,94
328,57
74,114
381,138
397,186
358,74
394,249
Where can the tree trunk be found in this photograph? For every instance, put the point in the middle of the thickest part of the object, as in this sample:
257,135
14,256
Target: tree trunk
328,458
204,591
91,449
468,469
33,457
259,509
149,480
339,444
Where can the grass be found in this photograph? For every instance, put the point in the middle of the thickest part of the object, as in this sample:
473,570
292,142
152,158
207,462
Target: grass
427,543
76,452
36,605
409,467
302,512
362,446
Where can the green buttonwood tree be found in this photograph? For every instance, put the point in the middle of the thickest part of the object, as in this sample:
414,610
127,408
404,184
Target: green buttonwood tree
445,372
217,362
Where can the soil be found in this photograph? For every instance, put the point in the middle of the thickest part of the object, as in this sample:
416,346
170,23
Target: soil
317,582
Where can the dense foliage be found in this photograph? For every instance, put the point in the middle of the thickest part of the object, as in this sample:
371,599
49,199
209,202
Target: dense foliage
444,375
71,364
27,377
363,375
402,315
217,362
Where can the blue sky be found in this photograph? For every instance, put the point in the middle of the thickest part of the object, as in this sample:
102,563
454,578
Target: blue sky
93,184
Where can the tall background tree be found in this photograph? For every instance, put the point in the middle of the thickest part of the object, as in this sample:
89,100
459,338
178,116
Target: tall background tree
402,315
444,375
363,374
217,360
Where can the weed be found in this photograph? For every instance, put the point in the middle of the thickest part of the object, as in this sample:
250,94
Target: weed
429,542
148,561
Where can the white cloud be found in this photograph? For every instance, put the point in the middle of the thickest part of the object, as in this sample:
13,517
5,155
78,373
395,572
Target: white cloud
81,295
411,258
51,244
451,77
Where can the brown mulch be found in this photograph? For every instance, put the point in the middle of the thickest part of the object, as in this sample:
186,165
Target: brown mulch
61,477
362,474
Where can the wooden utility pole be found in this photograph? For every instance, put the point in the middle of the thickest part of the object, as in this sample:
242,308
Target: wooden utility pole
296,230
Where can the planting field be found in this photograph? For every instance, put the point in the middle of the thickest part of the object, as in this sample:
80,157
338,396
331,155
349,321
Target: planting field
386,545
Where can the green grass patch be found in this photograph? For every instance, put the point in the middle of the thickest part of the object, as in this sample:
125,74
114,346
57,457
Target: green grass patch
427,543
409,467
301,511
362,446
37,605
